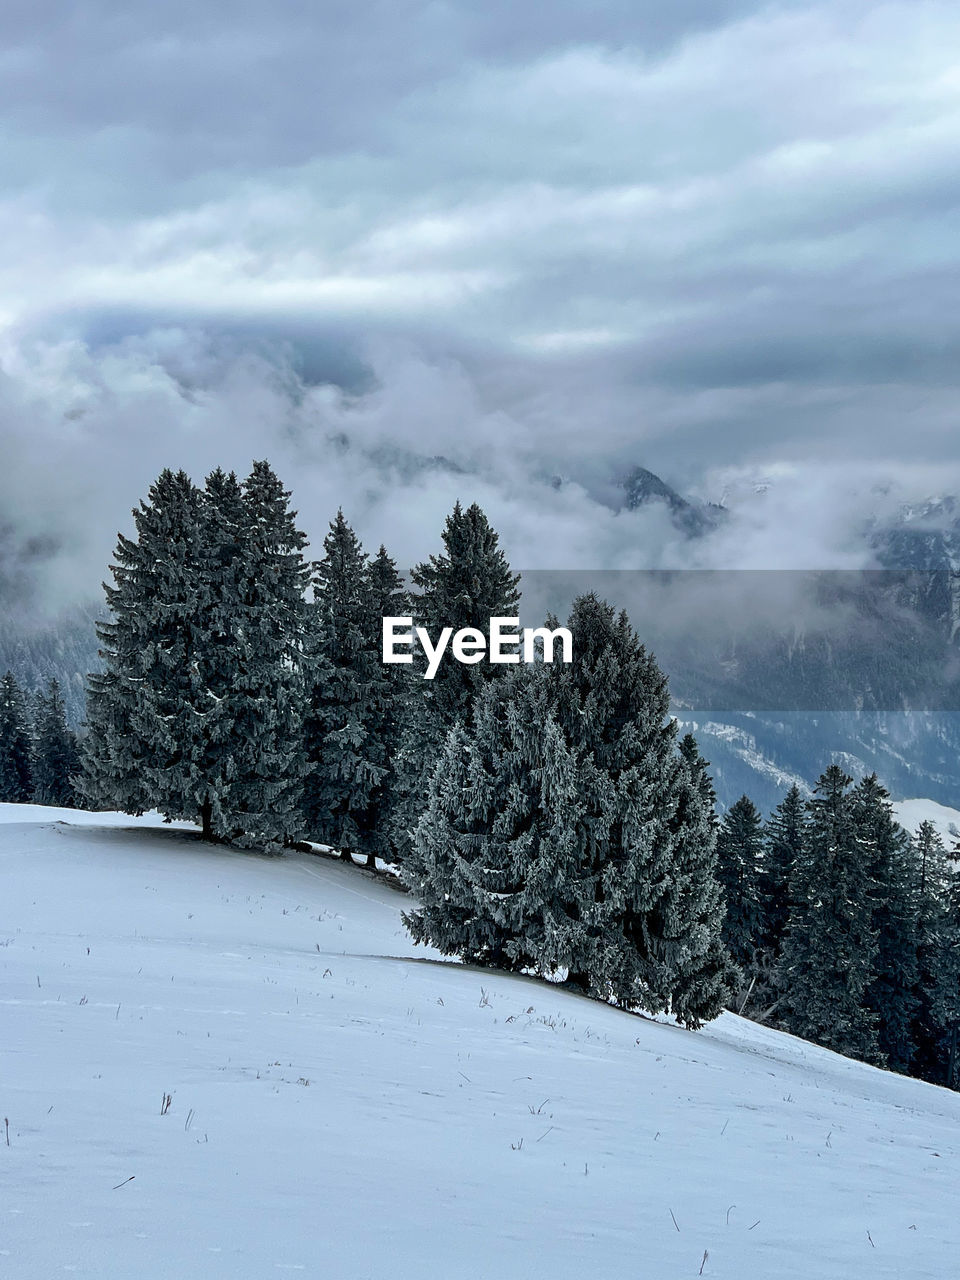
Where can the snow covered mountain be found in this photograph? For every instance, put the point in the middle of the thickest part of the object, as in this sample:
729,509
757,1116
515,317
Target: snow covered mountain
762,754
224,1065
641,487
868,677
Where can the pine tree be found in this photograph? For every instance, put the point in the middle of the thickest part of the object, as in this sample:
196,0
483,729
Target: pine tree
739,852
469,583
645,895
705,972
487,850
16,782
830,948
783,839
936,962
931,862
222,658
645,892
267,703
564,831
144,708
891,994
465,586
55,758
950,972
351,692
611,705
196,712
393,708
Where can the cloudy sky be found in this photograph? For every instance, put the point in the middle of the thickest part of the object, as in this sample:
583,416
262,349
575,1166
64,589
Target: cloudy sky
718,239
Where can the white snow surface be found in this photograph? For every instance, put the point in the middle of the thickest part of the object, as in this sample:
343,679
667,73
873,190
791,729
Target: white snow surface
910,813
343,1105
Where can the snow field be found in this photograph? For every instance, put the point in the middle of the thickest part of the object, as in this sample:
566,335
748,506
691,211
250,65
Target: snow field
343,1105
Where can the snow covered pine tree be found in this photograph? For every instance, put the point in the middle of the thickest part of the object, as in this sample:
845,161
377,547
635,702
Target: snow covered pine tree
564,831
197,710
263,804
465,586
351,719
500,823
653,920
143,708
703,971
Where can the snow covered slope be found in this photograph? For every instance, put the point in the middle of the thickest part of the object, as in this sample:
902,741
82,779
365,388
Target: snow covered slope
910,813
342,1106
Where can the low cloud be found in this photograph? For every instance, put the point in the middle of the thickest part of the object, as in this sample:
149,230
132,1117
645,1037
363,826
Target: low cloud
88,431
414,253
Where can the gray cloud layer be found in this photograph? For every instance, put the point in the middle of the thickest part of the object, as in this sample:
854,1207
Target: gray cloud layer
717,239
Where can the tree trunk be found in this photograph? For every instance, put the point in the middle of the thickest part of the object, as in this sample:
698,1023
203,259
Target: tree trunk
206,821
578,978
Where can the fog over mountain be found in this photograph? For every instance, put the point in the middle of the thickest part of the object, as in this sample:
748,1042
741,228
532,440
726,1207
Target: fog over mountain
86,431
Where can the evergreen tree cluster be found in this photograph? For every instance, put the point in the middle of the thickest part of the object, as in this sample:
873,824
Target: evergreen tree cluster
544,813
38,752
242,686
846,929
